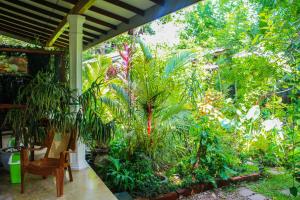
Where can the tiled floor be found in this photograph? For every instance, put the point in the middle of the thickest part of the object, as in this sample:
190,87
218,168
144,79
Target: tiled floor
86,186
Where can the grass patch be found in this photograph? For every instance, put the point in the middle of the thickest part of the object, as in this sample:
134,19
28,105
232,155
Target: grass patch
272,185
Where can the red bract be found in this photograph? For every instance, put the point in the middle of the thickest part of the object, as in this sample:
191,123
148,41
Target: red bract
111,72
126,57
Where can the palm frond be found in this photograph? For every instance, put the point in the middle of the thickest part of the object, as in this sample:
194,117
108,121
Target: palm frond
114,106
178,60
145,49
167,113
121,92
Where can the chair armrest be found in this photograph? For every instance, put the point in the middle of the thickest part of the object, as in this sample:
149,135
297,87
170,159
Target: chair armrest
64,156
24,157
24,154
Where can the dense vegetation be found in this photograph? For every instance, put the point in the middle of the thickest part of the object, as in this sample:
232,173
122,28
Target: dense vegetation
227,95
222,102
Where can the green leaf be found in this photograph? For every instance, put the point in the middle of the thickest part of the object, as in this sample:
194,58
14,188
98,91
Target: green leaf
294,191
177,61
145,49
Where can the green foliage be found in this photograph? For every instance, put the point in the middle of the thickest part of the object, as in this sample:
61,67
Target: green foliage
135,175
272,186
227,95
45,98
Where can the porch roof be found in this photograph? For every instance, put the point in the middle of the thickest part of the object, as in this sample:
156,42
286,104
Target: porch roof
45,21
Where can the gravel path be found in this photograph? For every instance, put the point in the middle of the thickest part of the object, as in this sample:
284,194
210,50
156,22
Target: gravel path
216,194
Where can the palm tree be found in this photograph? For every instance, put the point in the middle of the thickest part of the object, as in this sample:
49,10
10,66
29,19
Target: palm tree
152,83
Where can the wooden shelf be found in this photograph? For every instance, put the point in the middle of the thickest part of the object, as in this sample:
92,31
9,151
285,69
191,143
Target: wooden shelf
11,106
24,50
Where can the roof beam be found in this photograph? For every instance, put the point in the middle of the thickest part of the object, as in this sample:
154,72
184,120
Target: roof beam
22,20
159,2
30,26
25,37
126,6
98,21
10,20
43,37
37,9
27,28
56,16
29,14
66,10
21,37
103,12
79,8
20,33
94,29
151,14
52,5
26,20
109,14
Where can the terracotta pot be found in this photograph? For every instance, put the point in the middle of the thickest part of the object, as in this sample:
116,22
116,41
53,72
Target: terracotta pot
168,196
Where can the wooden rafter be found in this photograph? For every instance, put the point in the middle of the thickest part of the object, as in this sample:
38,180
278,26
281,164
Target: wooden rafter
27,22
152,13
26,25
25,36
109,14
48,18
55,16
78,8
28,14
37,9
34,36
159,2
29,27
101,22
27,32
23,29
18,35
22,50
26,19
126,6
103,12
66,10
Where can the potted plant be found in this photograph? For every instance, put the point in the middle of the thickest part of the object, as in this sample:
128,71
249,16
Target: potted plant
47,102
93,130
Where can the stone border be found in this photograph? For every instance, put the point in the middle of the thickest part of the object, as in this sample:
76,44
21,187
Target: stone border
202,187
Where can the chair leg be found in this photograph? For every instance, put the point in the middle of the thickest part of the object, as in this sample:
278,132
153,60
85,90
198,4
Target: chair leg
22,180
59,181
70,173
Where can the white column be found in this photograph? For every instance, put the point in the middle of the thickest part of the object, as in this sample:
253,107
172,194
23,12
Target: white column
75,50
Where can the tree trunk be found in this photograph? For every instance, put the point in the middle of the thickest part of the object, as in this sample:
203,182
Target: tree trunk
149,120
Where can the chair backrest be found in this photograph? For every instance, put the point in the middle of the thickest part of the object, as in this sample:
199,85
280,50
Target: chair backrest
59,142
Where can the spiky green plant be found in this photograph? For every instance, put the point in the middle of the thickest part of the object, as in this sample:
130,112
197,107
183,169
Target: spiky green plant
44,98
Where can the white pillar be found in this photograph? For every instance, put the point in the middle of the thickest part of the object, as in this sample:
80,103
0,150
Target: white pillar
75,50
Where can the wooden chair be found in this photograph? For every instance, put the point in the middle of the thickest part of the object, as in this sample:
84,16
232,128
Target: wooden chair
56,160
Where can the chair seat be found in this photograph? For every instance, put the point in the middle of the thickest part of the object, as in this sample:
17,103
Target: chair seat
48,164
